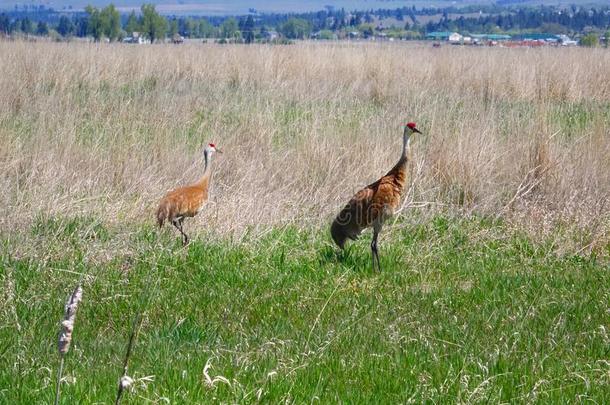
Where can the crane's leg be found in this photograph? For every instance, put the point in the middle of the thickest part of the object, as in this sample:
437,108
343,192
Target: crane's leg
186,238
178,224
375,253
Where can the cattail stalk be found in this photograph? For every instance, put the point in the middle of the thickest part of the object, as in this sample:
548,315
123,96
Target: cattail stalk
126,381
65,333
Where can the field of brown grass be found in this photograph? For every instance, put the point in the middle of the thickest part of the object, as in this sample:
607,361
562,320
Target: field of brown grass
104,130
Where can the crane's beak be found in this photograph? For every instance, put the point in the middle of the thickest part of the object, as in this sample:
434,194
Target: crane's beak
416,130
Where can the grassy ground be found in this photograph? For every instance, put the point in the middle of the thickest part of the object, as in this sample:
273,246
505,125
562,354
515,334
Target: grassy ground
466,310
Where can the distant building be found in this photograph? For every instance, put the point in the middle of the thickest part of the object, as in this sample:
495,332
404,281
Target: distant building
491,37
455,38
565,40
324,35
538,37
439,36
270,35
135,38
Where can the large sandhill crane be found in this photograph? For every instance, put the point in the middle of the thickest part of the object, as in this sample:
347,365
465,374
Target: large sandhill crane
187,201
372,205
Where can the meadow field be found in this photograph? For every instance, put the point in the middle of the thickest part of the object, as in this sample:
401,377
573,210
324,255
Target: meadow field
496,271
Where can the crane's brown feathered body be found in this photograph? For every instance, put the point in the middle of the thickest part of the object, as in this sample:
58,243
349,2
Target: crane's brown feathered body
375,203
187,201
183,202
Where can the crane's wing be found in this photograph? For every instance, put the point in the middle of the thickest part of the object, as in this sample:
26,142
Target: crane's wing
357,215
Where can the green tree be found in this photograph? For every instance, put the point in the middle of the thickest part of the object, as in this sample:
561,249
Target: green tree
173,28
132,25
590,40
95,25
190,27
552,28
27,27
65,27
412,35
41,28
5,24
607,39
111,22
327,34
205,29
367,30
296,28
247,29
153,25
229,28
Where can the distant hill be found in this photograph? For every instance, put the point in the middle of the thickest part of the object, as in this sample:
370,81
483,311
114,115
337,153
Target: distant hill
240,7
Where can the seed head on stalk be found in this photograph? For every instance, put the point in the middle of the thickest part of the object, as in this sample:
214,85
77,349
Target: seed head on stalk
65,332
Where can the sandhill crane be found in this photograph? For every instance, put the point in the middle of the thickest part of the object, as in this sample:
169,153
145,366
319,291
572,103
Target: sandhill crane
187,201
372,205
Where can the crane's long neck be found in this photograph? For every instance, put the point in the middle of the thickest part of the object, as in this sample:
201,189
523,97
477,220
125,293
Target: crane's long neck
406,141
398,174
207,169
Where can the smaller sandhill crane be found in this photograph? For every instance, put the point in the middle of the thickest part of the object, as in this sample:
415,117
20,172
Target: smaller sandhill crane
375,203
187,201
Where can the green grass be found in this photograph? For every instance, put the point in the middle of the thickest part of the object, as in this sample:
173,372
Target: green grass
464,311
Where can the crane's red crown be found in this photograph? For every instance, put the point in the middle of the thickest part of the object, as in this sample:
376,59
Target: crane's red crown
411,125
212,145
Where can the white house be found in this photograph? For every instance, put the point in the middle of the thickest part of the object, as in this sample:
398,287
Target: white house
135,38
455,38
270,35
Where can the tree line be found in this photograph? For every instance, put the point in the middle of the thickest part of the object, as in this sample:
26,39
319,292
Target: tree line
108,23
546,19
330,23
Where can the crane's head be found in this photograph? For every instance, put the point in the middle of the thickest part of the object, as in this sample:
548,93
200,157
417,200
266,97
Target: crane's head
211,149
411,128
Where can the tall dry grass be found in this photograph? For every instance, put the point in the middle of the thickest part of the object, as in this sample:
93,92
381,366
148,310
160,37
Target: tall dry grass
106,129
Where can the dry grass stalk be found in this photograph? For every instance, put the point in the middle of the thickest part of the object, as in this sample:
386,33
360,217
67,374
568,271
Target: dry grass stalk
8,303
65,333
126,381
209,381
105,130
